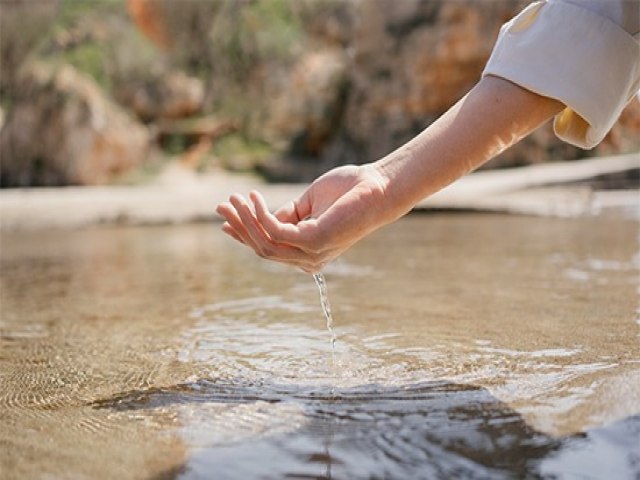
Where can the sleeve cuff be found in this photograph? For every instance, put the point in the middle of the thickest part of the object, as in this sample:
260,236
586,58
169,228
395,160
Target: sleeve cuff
573,55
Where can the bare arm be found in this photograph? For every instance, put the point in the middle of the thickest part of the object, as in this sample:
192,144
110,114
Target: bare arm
494,115
350,202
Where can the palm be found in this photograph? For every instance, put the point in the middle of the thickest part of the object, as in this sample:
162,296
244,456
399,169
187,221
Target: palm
338,209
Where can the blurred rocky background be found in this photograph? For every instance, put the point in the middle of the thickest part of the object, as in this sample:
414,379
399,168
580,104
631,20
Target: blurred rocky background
95,92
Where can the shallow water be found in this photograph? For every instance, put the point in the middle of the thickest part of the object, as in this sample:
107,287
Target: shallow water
469,346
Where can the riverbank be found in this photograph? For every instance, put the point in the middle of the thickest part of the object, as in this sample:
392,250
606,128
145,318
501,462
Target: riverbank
179,196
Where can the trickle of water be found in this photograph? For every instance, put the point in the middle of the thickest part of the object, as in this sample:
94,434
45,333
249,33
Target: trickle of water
326,308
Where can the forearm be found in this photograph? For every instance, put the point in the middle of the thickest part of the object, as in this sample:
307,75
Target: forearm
494,115
348,203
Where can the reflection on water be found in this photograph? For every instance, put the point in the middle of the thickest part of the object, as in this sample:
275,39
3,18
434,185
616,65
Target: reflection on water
471,347
429,430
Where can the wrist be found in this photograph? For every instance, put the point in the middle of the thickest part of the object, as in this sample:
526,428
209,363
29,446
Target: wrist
396,193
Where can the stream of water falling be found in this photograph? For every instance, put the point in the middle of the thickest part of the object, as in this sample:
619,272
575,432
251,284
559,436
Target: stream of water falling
326,307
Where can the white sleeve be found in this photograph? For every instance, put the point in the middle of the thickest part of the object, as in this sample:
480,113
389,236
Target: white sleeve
585,60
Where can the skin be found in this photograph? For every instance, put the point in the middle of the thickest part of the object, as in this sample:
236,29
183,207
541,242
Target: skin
349,202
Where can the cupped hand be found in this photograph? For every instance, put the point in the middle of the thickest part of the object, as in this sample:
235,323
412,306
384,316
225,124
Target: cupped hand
337,210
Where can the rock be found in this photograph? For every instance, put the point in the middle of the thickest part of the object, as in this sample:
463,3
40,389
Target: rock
408,63
411,60
23,25
625,135
327,83
310,102
172,24
150,21
174,95
304,112
63,130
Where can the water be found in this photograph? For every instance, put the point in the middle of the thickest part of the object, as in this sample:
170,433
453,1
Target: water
471,346
326,307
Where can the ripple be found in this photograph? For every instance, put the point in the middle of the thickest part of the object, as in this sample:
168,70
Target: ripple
101,357
49,379
397,428
242,391
253,305
229,343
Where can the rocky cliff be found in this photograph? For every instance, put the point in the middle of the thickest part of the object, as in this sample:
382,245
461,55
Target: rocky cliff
63,130
306,85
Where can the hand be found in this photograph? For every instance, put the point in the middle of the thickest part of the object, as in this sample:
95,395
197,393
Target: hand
347,203
337,210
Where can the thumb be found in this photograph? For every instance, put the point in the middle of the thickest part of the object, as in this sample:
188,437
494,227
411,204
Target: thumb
286,232
293,211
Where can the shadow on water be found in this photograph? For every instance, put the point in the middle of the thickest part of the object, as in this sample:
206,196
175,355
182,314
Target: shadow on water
428,430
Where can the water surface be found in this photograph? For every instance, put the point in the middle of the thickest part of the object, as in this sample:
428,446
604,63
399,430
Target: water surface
469,346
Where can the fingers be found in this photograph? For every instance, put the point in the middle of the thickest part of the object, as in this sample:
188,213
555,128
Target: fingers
248,219
288,213
278,230
228,229
295,211
246,228
235,226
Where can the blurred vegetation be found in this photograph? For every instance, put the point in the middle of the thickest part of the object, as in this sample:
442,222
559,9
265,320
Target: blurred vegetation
223,44
241,153
301,85
98,38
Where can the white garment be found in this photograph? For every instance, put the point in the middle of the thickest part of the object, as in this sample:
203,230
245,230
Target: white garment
584,53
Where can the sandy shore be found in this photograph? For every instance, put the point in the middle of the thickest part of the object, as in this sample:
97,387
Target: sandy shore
179,196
